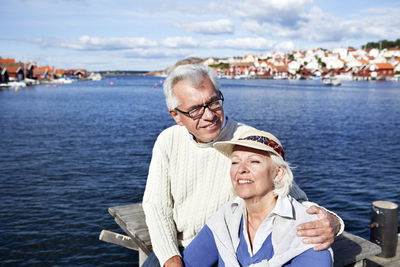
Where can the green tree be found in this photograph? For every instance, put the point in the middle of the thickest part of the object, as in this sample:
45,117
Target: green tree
382,44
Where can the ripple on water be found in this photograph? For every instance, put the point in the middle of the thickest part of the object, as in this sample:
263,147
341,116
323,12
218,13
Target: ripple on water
67,154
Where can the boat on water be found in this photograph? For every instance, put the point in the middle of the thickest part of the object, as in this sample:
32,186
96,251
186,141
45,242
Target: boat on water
331,81
62,80
13,84
95,76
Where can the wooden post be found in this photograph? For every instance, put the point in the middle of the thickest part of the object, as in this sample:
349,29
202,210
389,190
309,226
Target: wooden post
384,221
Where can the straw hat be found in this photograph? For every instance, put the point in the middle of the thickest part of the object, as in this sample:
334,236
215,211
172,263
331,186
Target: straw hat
254,139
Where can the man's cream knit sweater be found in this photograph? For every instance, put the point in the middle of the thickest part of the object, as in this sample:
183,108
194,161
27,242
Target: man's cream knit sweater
187,183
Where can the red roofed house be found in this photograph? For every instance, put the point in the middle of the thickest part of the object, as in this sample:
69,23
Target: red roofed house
6,60
16,70
280,71
264,68
304,73
362,74
242,69
59,73
8,69
363,61
79,73
44,73
381,70
16,73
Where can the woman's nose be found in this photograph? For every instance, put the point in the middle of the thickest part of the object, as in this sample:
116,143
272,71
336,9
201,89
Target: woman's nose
242,168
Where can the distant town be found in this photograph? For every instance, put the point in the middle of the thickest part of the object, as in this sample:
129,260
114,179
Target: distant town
339,64
20,74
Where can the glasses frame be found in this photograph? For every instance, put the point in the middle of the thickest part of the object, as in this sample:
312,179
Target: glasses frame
187,113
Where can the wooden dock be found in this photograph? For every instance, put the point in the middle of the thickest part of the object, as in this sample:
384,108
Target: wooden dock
349,249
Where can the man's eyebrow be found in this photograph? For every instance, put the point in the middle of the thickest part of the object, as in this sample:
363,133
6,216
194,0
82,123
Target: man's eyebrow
212,99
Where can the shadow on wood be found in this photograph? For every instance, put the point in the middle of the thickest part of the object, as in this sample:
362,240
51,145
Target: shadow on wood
349,249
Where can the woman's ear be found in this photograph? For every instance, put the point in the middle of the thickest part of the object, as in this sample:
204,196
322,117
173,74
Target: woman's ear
280,172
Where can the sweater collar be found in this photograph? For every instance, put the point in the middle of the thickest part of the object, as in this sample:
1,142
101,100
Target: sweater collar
226,129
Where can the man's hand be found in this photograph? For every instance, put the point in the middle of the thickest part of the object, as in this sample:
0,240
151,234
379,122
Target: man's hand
320,232
175,261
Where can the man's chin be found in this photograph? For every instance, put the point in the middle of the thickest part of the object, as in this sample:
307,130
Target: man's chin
210,136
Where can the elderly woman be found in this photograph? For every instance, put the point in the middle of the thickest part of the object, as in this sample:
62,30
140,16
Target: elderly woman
258,228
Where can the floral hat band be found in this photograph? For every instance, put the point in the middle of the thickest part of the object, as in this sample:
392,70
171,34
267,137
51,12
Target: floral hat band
266,141
254,139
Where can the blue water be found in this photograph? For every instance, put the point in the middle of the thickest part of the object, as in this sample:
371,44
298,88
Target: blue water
67,153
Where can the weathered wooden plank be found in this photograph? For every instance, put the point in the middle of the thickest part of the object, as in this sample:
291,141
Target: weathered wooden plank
133,209
118,239
143,244
131,218
349,248
375,261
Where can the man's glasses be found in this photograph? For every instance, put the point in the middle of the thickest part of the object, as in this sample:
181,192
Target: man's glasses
197,112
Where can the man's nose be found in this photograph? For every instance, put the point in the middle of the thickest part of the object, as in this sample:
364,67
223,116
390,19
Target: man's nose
208,114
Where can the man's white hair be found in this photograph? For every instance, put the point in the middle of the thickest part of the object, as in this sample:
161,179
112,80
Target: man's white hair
194,73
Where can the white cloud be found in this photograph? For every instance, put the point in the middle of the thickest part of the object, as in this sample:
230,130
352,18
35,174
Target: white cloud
182,7
322,27
175,42
250,44
112,43
316,26
100,43
143,47
243,44
157,52
382,23
284,12
222,26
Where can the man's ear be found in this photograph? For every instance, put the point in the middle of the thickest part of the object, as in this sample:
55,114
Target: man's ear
177,117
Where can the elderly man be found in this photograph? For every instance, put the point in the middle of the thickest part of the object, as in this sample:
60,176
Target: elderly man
188,179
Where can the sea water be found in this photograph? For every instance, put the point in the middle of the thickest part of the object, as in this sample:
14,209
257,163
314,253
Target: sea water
68,152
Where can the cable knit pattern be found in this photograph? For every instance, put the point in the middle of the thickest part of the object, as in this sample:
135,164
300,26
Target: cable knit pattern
187,183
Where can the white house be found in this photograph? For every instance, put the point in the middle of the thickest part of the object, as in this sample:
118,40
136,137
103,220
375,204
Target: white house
342,52
293,67
353,63
374,52
209,61
332,61
359,52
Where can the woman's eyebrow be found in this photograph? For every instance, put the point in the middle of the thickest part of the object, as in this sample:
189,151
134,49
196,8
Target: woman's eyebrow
234,157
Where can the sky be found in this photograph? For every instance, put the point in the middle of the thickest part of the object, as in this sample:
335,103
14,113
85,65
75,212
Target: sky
154,34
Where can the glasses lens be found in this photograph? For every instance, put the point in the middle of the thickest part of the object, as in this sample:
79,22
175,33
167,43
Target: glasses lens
215,105
197,112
